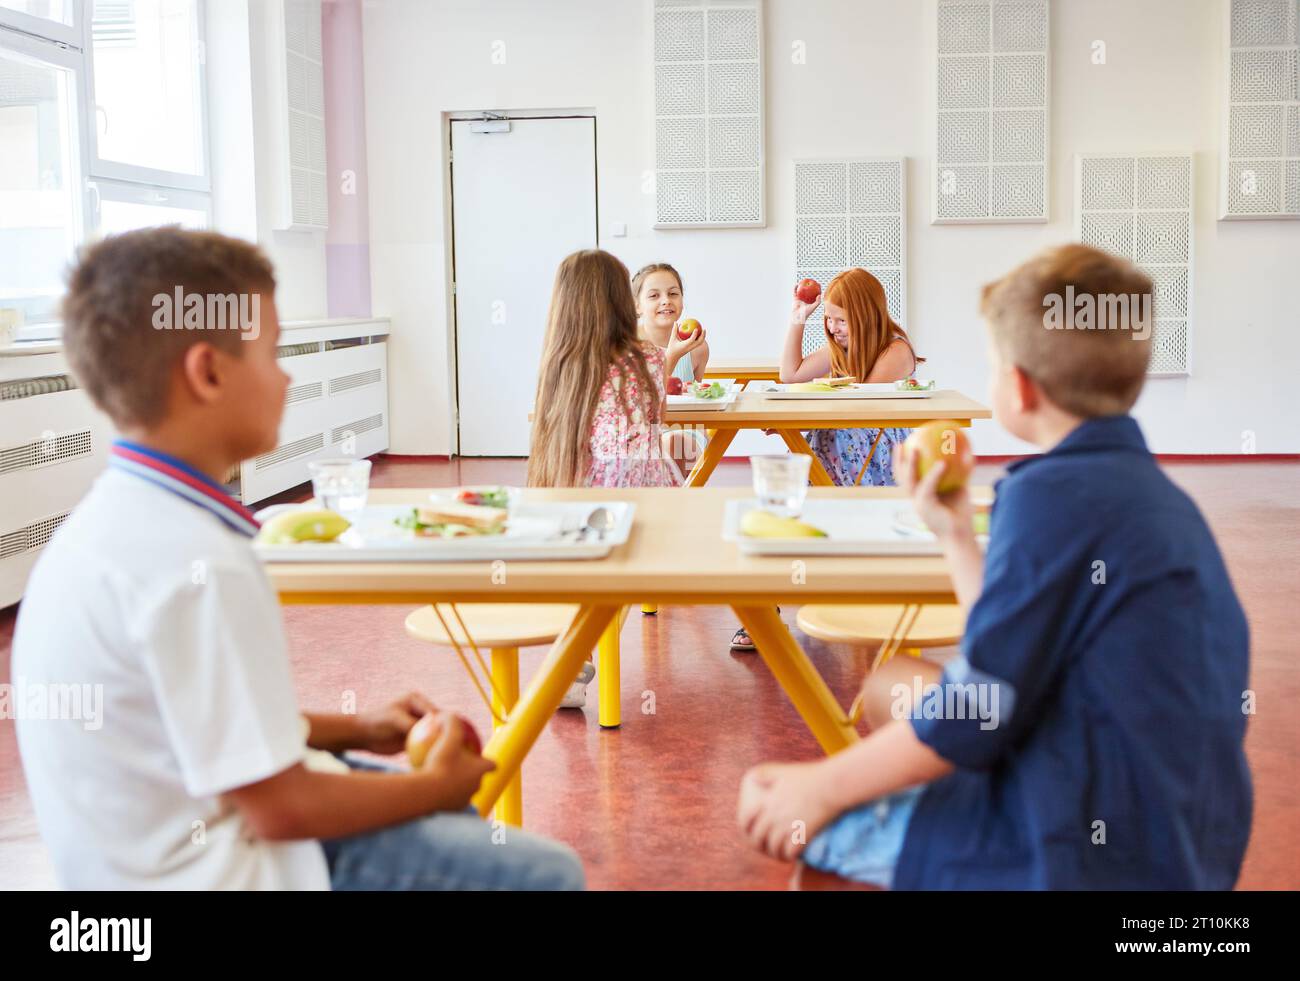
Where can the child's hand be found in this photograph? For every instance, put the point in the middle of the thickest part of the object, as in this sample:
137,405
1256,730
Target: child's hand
782,806
950,516
678,348
801,311
384,732
459,772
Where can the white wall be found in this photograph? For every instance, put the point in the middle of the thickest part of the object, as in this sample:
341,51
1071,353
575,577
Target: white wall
247,152
865,90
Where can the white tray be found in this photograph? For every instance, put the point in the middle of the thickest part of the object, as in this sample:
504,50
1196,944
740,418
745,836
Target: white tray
532,533
861,527
691,402
881,390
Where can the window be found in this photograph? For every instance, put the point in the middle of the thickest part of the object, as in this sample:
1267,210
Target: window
147,88
103,125
40,187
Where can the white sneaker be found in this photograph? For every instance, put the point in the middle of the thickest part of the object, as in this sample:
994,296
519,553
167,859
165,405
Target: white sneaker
576,696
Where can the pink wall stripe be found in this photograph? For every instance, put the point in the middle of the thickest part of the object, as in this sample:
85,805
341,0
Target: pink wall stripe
347,243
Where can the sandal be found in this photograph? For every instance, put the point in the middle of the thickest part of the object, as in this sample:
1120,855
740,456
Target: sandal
737,644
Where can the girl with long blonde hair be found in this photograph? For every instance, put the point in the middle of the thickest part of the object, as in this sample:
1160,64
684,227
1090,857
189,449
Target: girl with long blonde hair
598,418
598,415
660,295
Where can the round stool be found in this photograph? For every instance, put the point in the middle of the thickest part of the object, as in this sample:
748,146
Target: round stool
937,625
503,628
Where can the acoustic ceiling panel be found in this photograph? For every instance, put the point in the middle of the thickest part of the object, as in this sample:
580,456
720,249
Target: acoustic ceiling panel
708,105
1140,207
992,125
1260,172
851,213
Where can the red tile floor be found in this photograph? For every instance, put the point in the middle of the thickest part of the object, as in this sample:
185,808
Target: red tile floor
651,805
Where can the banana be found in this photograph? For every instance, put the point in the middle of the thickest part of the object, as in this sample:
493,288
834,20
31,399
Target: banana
764,524
290,527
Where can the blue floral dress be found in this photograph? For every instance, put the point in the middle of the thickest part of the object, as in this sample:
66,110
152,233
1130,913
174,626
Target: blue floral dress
843,451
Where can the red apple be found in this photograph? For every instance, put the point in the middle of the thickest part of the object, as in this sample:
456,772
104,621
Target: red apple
426,731
687,329
808,290
674,386
944,441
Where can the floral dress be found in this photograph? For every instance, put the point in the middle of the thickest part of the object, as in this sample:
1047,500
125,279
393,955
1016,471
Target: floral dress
628,452
843,451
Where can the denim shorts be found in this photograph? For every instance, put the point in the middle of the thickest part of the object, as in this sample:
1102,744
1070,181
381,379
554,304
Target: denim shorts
864,844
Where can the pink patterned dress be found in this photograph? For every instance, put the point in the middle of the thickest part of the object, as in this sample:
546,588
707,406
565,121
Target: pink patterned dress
628,451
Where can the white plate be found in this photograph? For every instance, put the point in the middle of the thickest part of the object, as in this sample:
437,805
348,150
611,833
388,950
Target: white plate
533,532
690,401
853,527
880,390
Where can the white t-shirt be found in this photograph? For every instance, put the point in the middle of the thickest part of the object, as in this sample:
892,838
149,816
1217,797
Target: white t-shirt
155,600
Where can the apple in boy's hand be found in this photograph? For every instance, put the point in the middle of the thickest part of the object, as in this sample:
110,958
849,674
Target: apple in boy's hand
808,291
944,441
674,386
426,732
688,329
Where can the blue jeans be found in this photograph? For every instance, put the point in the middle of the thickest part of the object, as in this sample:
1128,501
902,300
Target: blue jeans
449,851
864,844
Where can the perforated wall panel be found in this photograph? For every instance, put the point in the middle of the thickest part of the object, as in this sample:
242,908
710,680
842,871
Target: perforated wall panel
708,91
992,126
851,213
306,203
1140,207
1260,172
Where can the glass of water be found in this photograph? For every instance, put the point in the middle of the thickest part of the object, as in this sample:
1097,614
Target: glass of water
781,482
340,485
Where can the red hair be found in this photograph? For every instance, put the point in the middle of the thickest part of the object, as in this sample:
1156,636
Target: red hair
871,328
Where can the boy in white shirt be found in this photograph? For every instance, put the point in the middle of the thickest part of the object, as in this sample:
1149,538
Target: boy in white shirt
150,593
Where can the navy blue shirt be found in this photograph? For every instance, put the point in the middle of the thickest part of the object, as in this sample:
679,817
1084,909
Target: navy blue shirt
1111,635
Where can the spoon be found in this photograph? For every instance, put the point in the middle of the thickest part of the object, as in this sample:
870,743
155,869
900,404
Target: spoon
600,521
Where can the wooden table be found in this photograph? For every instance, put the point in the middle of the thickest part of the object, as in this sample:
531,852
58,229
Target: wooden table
744,370
668,526
790,417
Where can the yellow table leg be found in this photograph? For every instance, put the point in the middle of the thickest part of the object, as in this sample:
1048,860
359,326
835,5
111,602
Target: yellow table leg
511,743
816,473
505,693
608,681
796,675
711,457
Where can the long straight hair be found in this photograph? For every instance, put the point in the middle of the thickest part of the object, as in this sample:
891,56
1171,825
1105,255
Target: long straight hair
871,328
591,327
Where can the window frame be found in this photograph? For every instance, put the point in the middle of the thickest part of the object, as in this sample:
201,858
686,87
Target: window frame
46,29
113,170
128,192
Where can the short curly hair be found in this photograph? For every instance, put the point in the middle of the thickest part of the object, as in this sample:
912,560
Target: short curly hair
116,354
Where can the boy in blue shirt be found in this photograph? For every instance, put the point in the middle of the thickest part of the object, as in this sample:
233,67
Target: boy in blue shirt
1089,736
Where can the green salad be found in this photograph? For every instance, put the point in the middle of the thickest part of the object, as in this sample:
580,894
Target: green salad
705,390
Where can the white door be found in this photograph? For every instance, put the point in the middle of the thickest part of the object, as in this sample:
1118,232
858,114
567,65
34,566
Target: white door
523,200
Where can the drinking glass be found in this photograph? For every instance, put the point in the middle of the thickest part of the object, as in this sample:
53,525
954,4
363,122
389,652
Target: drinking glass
781,482
340,485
